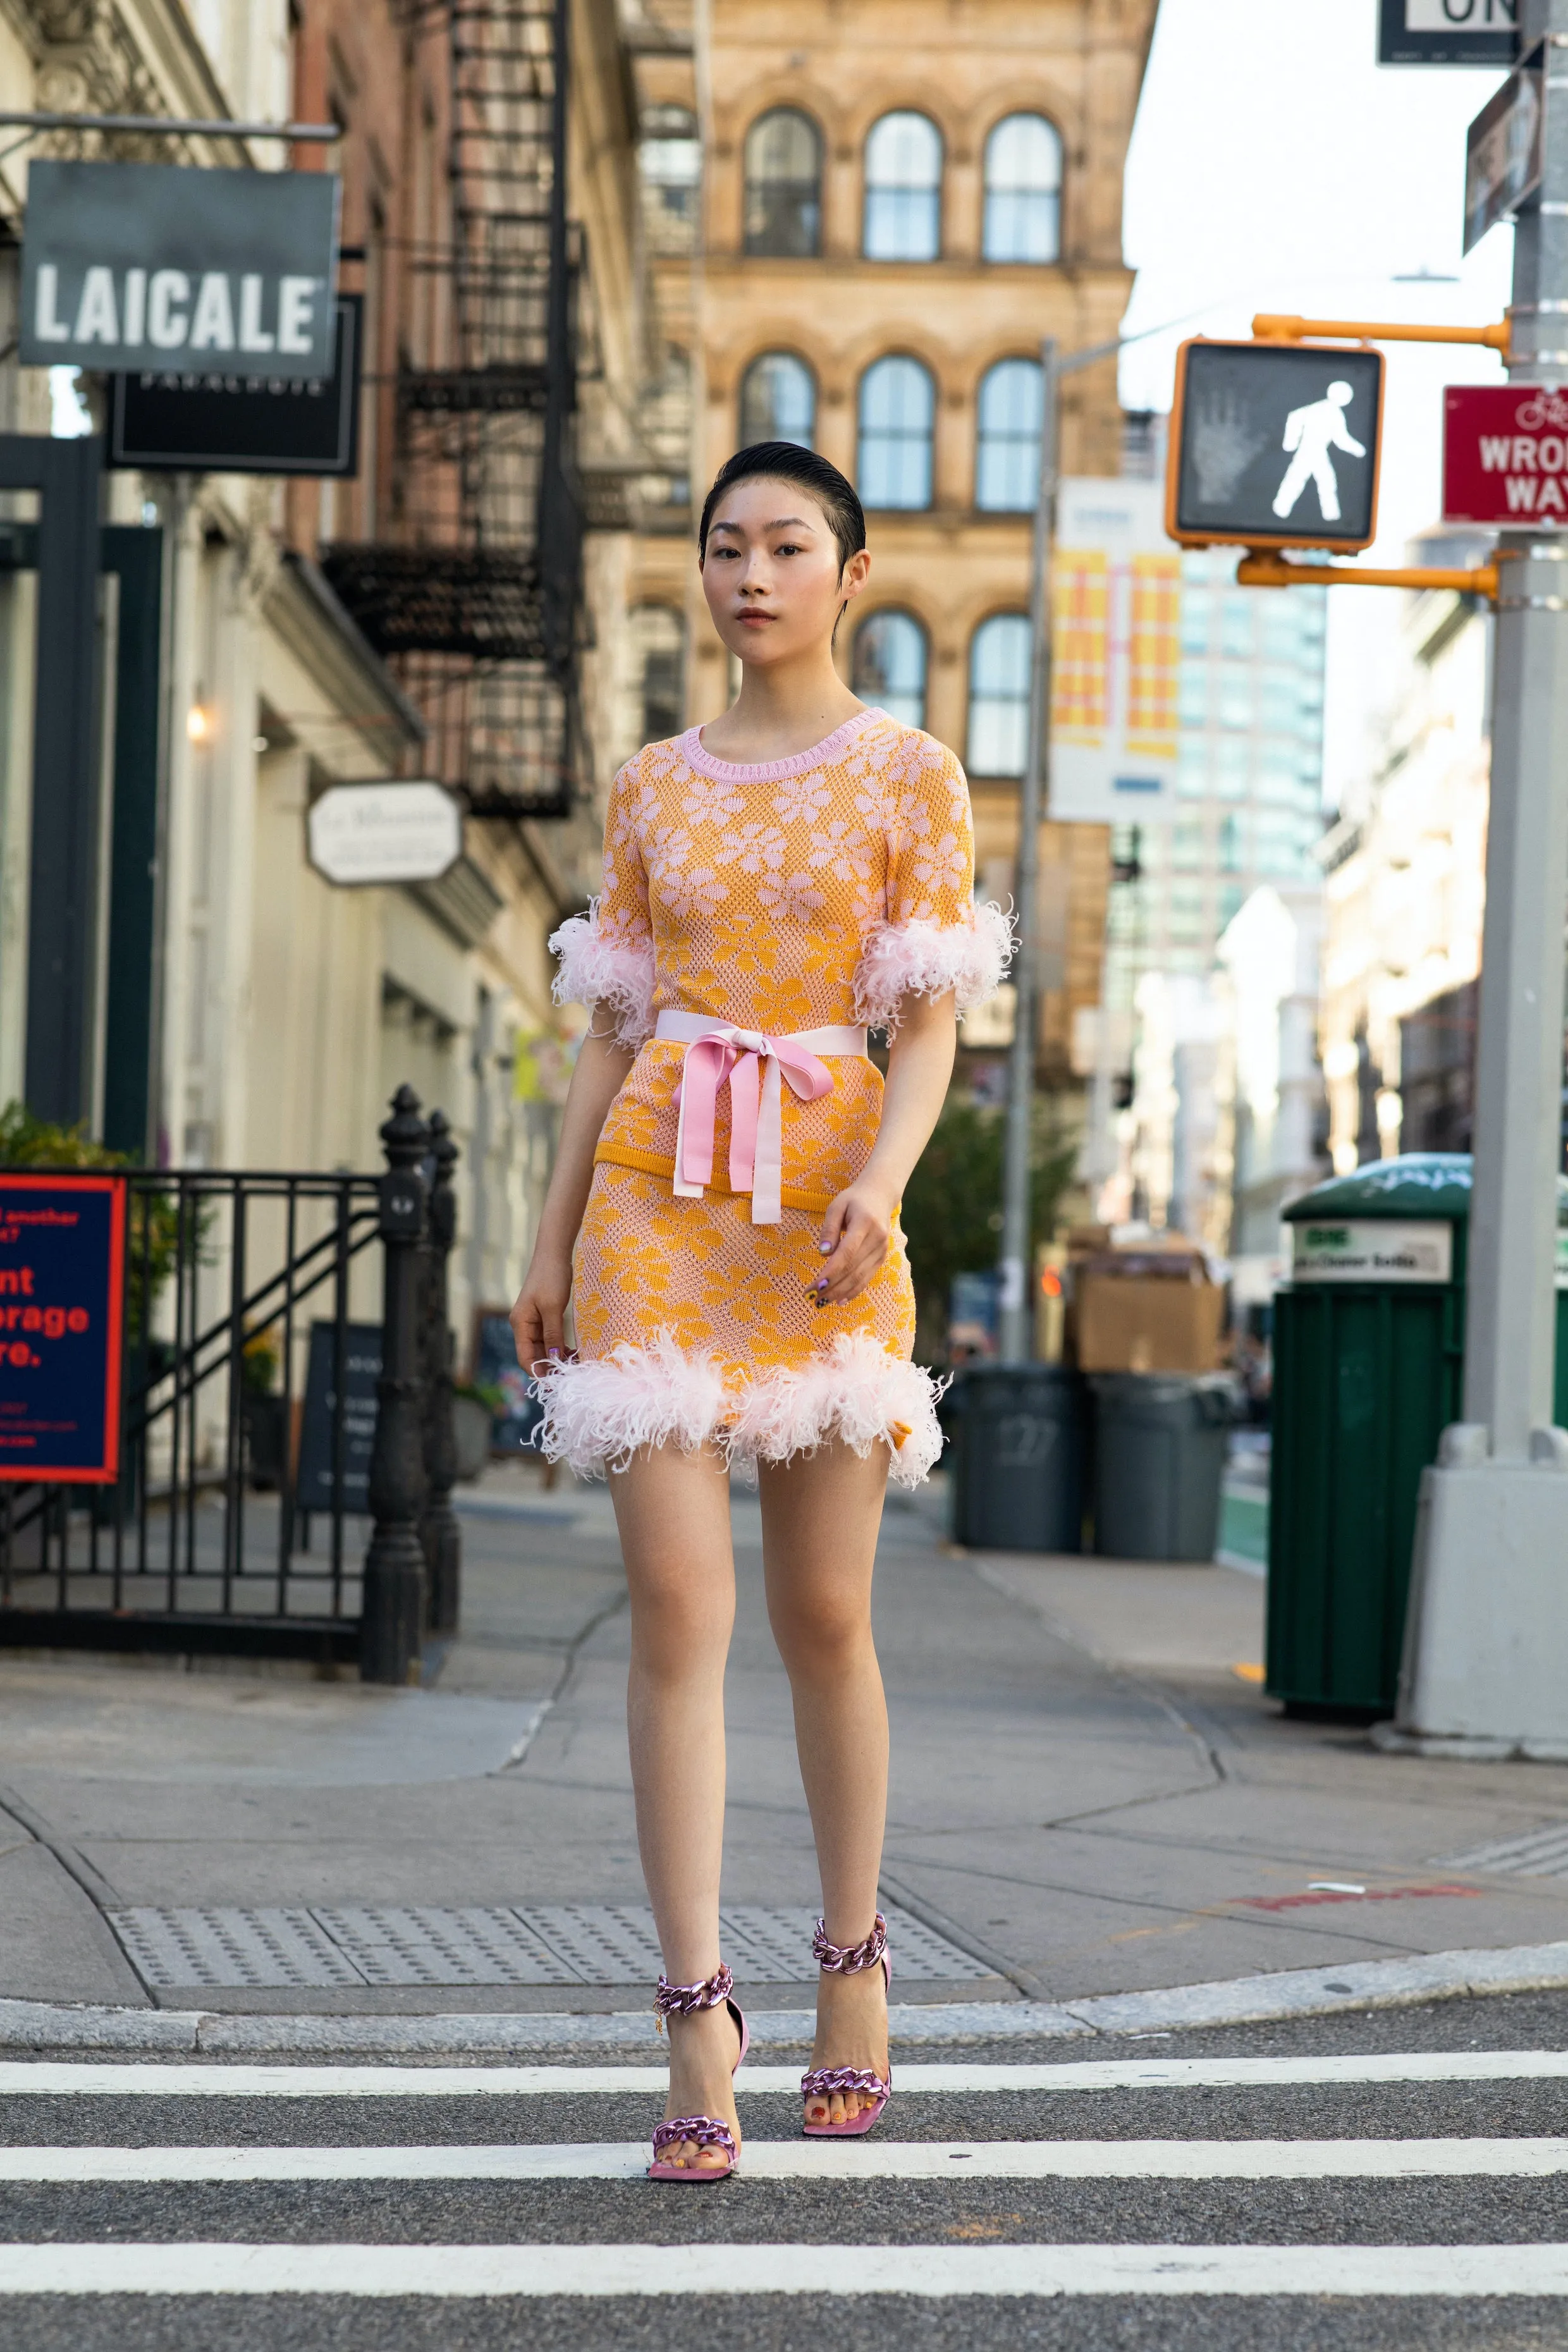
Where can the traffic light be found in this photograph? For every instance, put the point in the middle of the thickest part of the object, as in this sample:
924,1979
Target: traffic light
1274,444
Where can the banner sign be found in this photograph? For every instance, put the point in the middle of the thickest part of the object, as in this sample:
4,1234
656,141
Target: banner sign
62,1294
209,421
1448,32
126,266
1116,654
1505,455
1274,444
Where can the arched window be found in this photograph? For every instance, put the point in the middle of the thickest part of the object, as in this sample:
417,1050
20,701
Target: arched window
778,400
658,636
898,406
1007,452
889,666
903,189
1023,190
784,183
999,696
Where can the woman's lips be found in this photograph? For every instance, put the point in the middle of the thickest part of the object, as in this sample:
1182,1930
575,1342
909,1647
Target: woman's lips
756,620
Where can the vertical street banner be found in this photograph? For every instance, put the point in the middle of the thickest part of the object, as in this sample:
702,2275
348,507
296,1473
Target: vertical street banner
62,1296
1116,652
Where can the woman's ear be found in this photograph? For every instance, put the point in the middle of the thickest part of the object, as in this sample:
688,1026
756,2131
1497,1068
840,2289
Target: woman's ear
855,573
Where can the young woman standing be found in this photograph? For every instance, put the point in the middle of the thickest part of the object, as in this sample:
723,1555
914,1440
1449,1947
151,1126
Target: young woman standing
724,1207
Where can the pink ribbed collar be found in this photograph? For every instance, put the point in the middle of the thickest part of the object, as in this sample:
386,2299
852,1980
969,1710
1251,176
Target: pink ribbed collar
767,771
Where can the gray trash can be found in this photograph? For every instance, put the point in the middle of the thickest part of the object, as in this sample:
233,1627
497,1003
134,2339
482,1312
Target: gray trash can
1159,1442
1015,1461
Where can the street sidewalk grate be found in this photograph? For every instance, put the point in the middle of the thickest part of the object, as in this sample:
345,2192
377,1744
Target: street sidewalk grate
1542,1854
547,1944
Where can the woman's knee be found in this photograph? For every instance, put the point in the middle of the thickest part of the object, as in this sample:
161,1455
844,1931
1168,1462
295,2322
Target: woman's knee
822,1634
679,1622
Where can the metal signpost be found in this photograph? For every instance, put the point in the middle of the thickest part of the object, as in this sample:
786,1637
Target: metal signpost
1448,32
209,420
364,835
1486,1650
124,266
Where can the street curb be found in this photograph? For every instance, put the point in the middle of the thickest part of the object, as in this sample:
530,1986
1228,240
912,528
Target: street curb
1236,2000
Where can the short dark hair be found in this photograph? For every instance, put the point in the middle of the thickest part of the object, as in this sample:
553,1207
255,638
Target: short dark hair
787,461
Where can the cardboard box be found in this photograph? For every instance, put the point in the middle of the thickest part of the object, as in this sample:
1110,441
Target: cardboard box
1147,1311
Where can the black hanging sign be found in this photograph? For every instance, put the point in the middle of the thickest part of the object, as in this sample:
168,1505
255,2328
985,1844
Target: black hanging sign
204,423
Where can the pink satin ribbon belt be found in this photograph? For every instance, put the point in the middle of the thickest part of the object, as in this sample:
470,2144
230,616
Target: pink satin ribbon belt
755,1067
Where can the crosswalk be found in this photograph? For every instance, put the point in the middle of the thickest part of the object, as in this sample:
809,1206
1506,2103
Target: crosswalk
1366,2175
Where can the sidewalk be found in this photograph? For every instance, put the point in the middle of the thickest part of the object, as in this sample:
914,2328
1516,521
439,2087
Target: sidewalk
1091,1793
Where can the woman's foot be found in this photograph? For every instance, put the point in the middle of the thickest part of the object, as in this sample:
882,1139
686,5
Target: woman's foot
851,2031
703,2056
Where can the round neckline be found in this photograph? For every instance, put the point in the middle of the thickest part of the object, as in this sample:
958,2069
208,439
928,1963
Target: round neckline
767,771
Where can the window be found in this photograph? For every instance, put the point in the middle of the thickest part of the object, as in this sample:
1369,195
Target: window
671,159
1194,696
784,183
1187,846
1022,191
903,189
890,665
778,400
1230,845
1235,696
1007,458
1237,614
659,638
999,696
898,405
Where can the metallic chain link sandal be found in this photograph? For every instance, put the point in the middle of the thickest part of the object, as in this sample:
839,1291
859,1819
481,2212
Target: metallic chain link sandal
703,2131
848,1960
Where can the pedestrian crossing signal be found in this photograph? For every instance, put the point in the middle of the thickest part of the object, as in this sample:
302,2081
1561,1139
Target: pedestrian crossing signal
1274,444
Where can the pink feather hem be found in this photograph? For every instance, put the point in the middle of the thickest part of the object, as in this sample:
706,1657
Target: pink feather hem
901,960
594,969
600,1412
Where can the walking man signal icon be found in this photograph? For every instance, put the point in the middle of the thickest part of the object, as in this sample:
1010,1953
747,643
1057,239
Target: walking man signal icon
1311,433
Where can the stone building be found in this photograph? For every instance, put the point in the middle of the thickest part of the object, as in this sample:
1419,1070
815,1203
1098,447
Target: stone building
862,217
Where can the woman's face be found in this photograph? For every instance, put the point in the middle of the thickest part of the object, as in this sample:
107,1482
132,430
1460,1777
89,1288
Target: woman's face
771,571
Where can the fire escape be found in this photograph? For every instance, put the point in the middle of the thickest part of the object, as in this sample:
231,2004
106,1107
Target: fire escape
476,602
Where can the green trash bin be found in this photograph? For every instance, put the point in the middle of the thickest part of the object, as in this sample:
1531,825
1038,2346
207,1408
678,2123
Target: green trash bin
1369,1341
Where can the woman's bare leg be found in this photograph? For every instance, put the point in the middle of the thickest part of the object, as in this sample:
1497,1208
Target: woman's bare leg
673,1512
821,1516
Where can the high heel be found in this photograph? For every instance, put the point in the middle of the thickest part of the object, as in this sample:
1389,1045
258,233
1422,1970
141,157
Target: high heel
703,2131
847,1960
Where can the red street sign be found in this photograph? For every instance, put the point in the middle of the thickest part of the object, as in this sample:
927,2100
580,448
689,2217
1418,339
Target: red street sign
1505,455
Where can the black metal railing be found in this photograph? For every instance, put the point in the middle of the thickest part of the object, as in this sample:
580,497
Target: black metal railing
260,1352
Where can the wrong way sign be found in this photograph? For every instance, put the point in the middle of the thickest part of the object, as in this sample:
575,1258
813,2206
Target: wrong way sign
1505,455
1274,444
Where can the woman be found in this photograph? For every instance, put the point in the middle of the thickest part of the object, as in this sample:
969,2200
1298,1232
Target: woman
725,1204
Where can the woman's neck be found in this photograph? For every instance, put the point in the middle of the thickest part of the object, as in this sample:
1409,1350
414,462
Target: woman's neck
780,711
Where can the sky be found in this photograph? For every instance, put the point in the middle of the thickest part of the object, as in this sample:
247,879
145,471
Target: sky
1276,166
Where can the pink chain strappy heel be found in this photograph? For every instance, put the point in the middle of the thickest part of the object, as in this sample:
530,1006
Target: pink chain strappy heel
704,2131
848,1960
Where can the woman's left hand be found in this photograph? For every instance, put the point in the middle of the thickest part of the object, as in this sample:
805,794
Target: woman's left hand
854,1242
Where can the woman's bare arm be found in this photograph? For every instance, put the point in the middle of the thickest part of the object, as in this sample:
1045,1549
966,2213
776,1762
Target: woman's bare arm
854,1237
539,1318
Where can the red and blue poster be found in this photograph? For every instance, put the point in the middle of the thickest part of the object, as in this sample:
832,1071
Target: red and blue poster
62,1300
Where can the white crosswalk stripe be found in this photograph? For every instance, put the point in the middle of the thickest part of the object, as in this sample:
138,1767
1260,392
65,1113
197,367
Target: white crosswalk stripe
250,2252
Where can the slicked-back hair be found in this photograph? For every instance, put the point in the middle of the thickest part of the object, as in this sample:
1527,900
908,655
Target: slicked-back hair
787,461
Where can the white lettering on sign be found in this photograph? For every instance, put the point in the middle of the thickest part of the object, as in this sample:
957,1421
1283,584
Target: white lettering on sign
1371,1249
166,326
1460,16
296,307
50,327
127,311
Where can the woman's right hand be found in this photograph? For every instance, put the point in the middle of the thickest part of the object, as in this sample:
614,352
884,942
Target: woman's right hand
539,1318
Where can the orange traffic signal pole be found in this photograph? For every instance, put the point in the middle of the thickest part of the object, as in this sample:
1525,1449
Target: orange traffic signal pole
1265,569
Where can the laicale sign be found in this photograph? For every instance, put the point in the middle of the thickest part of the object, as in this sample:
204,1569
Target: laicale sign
133,265
1505,455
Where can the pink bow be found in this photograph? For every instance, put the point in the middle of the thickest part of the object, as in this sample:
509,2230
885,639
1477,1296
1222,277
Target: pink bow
753,1066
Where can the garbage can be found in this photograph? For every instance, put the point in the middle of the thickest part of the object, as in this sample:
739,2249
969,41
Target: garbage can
1160,1440
1017,1457
1369,1342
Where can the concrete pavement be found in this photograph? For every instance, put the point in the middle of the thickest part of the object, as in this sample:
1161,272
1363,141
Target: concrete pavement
1091,1795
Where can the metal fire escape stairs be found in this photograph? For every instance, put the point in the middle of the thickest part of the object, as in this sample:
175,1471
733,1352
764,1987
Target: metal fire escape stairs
476,601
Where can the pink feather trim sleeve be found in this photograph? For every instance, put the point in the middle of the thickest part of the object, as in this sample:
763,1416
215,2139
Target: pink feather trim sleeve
901,960
594,969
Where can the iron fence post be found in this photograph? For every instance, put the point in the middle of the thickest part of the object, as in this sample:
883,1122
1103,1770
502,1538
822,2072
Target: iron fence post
438,1530
392,1608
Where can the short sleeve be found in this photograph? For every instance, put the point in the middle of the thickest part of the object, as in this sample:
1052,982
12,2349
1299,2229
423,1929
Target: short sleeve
606,956
935,939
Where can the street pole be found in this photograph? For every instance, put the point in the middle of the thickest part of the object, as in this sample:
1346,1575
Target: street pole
1486,1655
1015,1333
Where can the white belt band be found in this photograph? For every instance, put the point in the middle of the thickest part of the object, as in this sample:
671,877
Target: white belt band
754,1066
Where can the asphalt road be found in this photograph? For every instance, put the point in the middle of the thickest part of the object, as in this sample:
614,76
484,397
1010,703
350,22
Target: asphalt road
1288,2169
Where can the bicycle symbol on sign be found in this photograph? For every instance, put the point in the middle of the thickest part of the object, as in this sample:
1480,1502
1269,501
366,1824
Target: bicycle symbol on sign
1543,408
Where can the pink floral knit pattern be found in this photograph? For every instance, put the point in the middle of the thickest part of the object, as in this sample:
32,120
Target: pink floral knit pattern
823,888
